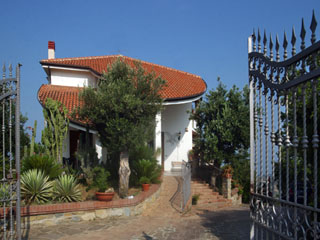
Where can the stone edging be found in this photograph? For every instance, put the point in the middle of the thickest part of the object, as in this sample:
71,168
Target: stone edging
53,213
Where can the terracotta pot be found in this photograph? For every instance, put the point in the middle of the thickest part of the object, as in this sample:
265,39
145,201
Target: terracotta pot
103,196
145,187
227,175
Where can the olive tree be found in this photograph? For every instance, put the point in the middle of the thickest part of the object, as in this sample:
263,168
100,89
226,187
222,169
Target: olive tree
122,110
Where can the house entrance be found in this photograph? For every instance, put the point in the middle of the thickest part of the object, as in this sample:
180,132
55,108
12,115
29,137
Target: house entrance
74,143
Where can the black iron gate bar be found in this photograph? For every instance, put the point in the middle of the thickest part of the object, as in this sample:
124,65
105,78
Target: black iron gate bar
10,182
278,206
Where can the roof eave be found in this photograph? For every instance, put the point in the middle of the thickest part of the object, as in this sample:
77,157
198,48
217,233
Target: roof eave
43,63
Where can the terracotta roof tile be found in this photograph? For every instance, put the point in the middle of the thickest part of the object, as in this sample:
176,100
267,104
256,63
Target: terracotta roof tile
68,96
179,84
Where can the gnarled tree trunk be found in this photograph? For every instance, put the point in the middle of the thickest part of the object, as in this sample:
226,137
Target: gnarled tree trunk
124,174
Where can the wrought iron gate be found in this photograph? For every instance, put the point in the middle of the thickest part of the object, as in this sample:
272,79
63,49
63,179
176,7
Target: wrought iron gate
181,197
10,221
284,119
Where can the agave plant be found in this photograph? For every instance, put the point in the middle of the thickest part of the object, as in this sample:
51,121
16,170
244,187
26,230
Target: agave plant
66,189
36,187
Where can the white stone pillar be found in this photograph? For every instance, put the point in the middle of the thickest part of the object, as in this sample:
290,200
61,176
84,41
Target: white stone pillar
157,140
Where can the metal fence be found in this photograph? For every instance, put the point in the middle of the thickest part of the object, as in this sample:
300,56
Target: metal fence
182,196
10,222
284,119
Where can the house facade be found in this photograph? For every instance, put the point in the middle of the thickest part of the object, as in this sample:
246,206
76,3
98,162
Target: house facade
173,133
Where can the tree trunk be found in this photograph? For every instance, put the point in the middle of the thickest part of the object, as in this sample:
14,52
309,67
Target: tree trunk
124,174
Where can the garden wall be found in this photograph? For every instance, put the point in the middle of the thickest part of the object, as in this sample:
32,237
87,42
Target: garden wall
52,214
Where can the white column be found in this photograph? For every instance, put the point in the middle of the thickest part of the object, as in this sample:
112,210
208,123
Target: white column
157,140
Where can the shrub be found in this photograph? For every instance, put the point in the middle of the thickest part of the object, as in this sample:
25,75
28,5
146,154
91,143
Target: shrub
195,199
66,189
4,193
146,168
36,187
100,179
6,166
144,180
44,163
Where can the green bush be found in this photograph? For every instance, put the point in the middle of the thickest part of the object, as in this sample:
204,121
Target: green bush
36,187
4,193
7,165
44,163
66,189
146,168
195,199
144,180
100,179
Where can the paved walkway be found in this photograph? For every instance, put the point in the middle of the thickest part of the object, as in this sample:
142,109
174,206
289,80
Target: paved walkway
160,221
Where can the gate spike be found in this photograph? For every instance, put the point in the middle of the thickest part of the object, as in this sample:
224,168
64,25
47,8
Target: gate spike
4,71
293,41
277,48
10,70
302,35
271,46
313,27
254,40
259,39
285,44
264,43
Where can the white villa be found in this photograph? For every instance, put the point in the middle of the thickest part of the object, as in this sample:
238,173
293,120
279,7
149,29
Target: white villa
173,134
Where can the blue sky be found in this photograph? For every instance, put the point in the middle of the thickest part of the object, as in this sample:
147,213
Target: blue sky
206,37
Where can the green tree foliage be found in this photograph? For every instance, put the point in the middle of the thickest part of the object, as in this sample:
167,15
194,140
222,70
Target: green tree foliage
24,137
57,123
223,125
223,132
124,106
123,109
7,116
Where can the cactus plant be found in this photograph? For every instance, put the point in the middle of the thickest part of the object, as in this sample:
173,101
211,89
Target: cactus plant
34,132
56,129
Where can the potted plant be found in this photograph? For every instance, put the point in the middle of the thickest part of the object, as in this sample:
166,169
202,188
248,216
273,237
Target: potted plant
145,182
190,155
146,171
227,171
100,181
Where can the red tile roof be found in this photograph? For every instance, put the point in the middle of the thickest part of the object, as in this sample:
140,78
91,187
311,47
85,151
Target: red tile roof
68,96
179,84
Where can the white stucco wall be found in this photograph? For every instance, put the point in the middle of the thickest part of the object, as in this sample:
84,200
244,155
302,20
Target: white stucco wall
72,78
158,131
175,119
101,151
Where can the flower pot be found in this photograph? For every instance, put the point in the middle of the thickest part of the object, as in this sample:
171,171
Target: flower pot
104,196
227,175
145,187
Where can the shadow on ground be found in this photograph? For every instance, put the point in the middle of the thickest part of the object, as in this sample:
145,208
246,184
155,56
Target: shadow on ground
227,224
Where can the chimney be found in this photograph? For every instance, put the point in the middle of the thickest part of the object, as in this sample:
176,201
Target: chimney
51,49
